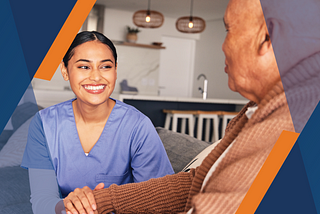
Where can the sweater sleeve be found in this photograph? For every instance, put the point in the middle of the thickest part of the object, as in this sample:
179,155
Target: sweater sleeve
161,195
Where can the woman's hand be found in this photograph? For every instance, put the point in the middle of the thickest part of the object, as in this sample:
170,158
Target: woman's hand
81,201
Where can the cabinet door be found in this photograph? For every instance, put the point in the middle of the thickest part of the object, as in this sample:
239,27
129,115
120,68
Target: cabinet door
176,67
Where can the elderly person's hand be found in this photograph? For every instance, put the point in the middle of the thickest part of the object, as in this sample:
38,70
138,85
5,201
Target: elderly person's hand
81,201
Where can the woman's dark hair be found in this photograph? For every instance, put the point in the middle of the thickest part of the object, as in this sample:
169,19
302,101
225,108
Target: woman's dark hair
87,36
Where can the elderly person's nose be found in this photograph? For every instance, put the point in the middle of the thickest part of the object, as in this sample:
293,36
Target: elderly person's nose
223,46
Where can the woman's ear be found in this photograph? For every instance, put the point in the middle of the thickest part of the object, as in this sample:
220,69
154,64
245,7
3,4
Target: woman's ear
64,71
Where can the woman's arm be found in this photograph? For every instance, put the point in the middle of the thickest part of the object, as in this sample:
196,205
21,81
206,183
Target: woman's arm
43,182
168,194
44,191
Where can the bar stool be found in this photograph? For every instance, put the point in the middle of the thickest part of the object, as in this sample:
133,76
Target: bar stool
226,116
175,115
208,115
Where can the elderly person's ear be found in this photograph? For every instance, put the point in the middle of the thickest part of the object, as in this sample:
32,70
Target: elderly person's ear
270,32
265,44
64,71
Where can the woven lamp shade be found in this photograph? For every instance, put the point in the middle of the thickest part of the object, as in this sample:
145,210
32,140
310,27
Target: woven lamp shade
182,24
156,19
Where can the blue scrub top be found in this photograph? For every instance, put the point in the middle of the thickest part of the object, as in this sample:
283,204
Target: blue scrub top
128,150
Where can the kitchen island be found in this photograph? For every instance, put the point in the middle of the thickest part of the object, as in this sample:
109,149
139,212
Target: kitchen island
152,106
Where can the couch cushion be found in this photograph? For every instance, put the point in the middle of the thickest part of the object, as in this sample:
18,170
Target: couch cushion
180,148
24,208
195,162
11,154
22,113
14,190
5,135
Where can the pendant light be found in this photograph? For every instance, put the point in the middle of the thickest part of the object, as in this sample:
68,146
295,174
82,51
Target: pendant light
190,24
148,18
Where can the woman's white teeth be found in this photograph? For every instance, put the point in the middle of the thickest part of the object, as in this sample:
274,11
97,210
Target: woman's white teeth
90,87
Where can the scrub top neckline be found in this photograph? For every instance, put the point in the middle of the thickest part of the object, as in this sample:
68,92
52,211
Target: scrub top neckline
78,143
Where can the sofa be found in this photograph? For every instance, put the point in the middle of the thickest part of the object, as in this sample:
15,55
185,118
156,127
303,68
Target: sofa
14,182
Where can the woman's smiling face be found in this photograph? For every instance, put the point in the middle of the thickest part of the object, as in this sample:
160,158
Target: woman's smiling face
92,72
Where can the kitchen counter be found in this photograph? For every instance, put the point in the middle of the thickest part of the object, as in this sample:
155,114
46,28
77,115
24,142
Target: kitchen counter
122,97
153,106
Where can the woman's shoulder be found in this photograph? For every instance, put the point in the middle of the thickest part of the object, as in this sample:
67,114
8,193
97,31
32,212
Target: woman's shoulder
65,106
128,109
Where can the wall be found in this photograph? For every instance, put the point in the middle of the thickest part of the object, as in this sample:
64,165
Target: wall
56,83
140,67
210,61
115,22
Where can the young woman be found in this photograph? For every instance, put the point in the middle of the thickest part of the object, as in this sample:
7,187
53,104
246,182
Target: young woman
93,138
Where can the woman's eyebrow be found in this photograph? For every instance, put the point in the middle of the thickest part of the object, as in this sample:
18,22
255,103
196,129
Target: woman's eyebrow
86,60
107,60
83,60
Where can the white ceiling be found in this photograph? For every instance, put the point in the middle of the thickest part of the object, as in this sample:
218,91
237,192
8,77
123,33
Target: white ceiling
206,9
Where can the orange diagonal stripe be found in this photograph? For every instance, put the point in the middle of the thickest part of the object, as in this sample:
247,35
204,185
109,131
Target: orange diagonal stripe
64,39
268,172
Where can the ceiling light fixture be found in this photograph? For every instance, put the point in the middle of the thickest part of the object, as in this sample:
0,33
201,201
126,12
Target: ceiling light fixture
190,24
148,18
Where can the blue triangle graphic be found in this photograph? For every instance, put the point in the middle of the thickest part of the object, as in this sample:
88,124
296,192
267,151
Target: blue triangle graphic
309,143
290,191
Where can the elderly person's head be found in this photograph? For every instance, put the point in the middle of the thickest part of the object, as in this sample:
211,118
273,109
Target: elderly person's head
294,30
250,61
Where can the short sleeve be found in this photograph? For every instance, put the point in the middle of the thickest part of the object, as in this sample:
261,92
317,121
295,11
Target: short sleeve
36,154
149,158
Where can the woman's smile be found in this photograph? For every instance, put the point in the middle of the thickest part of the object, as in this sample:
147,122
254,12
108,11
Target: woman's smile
94,88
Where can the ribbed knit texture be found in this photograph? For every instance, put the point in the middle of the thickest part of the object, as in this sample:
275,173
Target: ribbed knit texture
203,169
302,87
163,195
234,175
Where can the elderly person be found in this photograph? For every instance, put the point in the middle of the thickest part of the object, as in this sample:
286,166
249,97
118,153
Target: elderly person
220,183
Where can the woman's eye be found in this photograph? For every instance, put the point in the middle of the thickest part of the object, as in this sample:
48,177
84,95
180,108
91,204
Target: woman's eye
106,67
84,67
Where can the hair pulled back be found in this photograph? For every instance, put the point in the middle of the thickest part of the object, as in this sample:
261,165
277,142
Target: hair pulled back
87,36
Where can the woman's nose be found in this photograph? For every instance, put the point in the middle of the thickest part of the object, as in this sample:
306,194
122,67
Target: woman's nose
95,75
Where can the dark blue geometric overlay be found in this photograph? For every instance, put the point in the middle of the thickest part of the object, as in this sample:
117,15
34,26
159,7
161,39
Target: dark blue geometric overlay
14,76
38,26
290,191
27,31
309,143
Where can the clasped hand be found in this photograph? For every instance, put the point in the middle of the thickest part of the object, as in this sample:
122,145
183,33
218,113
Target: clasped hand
81,201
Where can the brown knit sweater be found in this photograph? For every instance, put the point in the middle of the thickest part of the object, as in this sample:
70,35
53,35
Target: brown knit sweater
229,182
